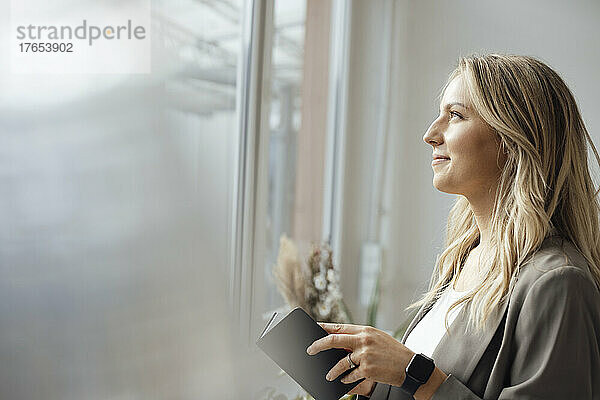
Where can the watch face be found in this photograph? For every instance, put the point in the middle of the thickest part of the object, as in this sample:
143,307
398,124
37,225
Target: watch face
421,367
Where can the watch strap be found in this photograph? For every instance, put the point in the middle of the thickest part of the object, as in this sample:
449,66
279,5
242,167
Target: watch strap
410,385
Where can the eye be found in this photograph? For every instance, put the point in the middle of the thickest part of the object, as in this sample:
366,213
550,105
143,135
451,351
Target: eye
455,114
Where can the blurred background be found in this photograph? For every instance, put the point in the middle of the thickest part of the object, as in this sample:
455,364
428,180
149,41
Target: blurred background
142,214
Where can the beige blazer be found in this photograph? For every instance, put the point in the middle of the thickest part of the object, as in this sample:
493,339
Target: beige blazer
543,343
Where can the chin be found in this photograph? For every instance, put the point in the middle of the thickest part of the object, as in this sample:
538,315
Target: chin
444,186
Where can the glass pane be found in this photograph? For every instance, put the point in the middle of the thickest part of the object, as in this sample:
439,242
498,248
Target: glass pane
284,125
201,41
115,201
297,123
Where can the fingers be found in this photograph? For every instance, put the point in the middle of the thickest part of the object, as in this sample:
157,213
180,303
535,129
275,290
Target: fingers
353,376
340,328
340,367
332,342
364,388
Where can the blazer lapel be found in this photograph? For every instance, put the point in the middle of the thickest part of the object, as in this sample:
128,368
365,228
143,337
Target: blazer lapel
459,352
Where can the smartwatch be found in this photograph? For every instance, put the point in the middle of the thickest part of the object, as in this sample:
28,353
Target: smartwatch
418,371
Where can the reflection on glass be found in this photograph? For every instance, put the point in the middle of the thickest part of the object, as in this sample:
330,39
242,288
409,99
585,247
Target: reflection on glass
114,201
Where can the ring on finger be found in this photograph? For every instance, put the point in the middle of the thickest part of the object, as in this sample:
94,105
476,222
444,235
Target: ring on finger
352,365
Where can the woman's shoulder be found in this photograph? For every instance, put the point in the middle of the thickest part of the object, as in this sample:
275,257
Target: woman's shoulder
557,263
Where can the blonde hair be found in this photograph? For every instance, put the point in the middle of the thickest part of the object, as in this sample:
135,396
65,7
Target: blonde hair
544,184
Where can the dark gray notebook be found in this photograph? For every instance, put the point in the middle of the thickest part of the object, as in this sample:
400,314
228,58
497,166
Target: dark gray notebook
285,339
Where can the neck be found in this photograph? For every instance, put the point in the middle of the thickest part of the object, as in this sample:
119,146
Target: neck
483,208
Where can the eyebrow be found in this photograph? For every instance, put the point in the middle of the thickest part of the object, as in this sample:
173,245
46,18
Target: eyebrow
456,103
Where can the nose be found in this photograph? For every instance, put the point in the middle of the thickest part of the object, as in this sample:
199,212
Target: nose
434,136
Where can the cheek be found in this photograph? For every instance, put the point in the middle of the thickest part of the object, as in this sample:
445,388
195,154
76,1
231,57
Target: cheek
476,150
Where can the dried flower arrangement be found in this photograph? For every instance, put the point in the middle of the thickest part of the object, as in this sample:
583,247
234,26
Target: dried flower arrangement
314,287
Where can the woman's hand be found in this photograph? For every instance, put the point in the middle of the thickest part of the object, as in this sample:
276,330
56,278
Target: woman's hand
378,356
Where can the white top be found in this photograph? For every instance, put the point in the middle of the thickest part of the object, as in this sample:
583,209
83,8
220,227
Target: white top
426,335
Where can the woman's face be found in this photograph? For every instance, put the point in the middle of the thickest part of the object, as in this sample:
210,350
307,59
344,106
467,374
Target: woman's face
470,160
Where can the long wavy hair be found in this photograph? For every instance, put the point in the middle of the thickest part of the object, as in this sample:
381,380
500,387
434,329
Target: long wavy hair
544,185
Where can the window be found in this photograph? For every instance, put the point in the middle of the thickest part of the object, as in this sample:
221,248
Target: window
201,41
290,150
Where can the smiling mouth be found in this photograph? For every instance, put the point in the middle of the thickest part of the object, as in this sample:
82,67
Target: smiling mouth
439,160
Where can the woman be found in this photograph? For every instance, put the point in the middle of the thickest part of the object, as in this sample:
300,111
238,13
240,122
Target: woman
513,308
